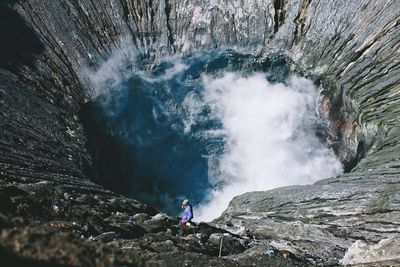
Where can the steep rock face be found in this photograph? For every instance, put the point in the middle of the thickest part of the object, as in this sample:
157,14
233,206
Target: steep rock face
357,48
354,46
48,48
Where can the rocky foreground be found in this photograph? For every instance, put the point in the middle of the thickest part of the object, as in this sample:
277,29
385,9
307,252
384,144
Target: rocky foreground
80,224
335,221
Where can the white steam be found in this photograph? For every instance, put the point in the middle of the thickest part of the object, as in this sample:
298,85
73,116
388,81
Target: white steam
117,68
267,128
270,141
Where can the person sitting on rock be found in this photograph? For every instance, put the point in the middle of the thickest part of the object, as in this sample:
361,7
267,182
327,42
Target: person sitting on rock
187,214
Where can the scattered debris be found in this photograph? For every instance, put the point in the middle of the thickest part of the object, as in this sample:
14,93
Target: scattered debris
132,220
271,252
361,252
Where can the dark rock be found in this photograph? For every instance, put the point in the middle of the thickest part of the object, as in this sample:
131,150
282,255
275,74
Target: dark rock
141,217
53,248
106,237
201,237
191,239
154,226
230,245
128,231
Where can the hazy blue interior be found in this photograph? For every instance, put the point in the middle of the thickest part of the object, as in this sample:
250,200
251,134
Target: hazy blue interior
136,130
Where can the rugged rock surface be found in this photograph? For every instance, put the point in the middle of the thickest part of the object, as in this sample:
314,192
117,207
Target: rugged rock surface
324,219
360,56
47,48
46,223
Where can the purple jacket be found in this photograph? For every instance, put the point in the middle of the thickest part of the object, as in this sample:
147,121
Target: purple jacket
187,214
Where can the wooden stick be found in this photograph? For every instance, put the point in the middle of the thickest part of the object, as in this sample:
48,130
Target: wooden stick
220,247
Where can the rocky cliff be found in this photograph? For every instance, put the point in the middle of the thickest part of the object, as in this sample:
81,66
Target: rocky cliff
349,48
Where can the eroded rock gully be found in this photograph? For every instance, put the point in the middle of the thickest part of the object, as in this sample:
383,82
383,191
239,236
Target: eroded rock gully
47,198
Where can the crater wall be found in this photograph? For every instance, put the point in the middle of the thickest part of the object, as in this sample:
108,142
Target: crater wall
350,48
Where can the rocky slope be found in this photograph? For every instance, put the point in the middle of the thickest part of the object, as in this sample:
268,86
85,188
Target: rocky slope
46,223
358,52
47,48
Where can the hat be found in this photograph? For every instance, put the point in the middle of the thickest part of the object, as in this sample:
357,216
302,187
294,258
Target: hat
185,202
